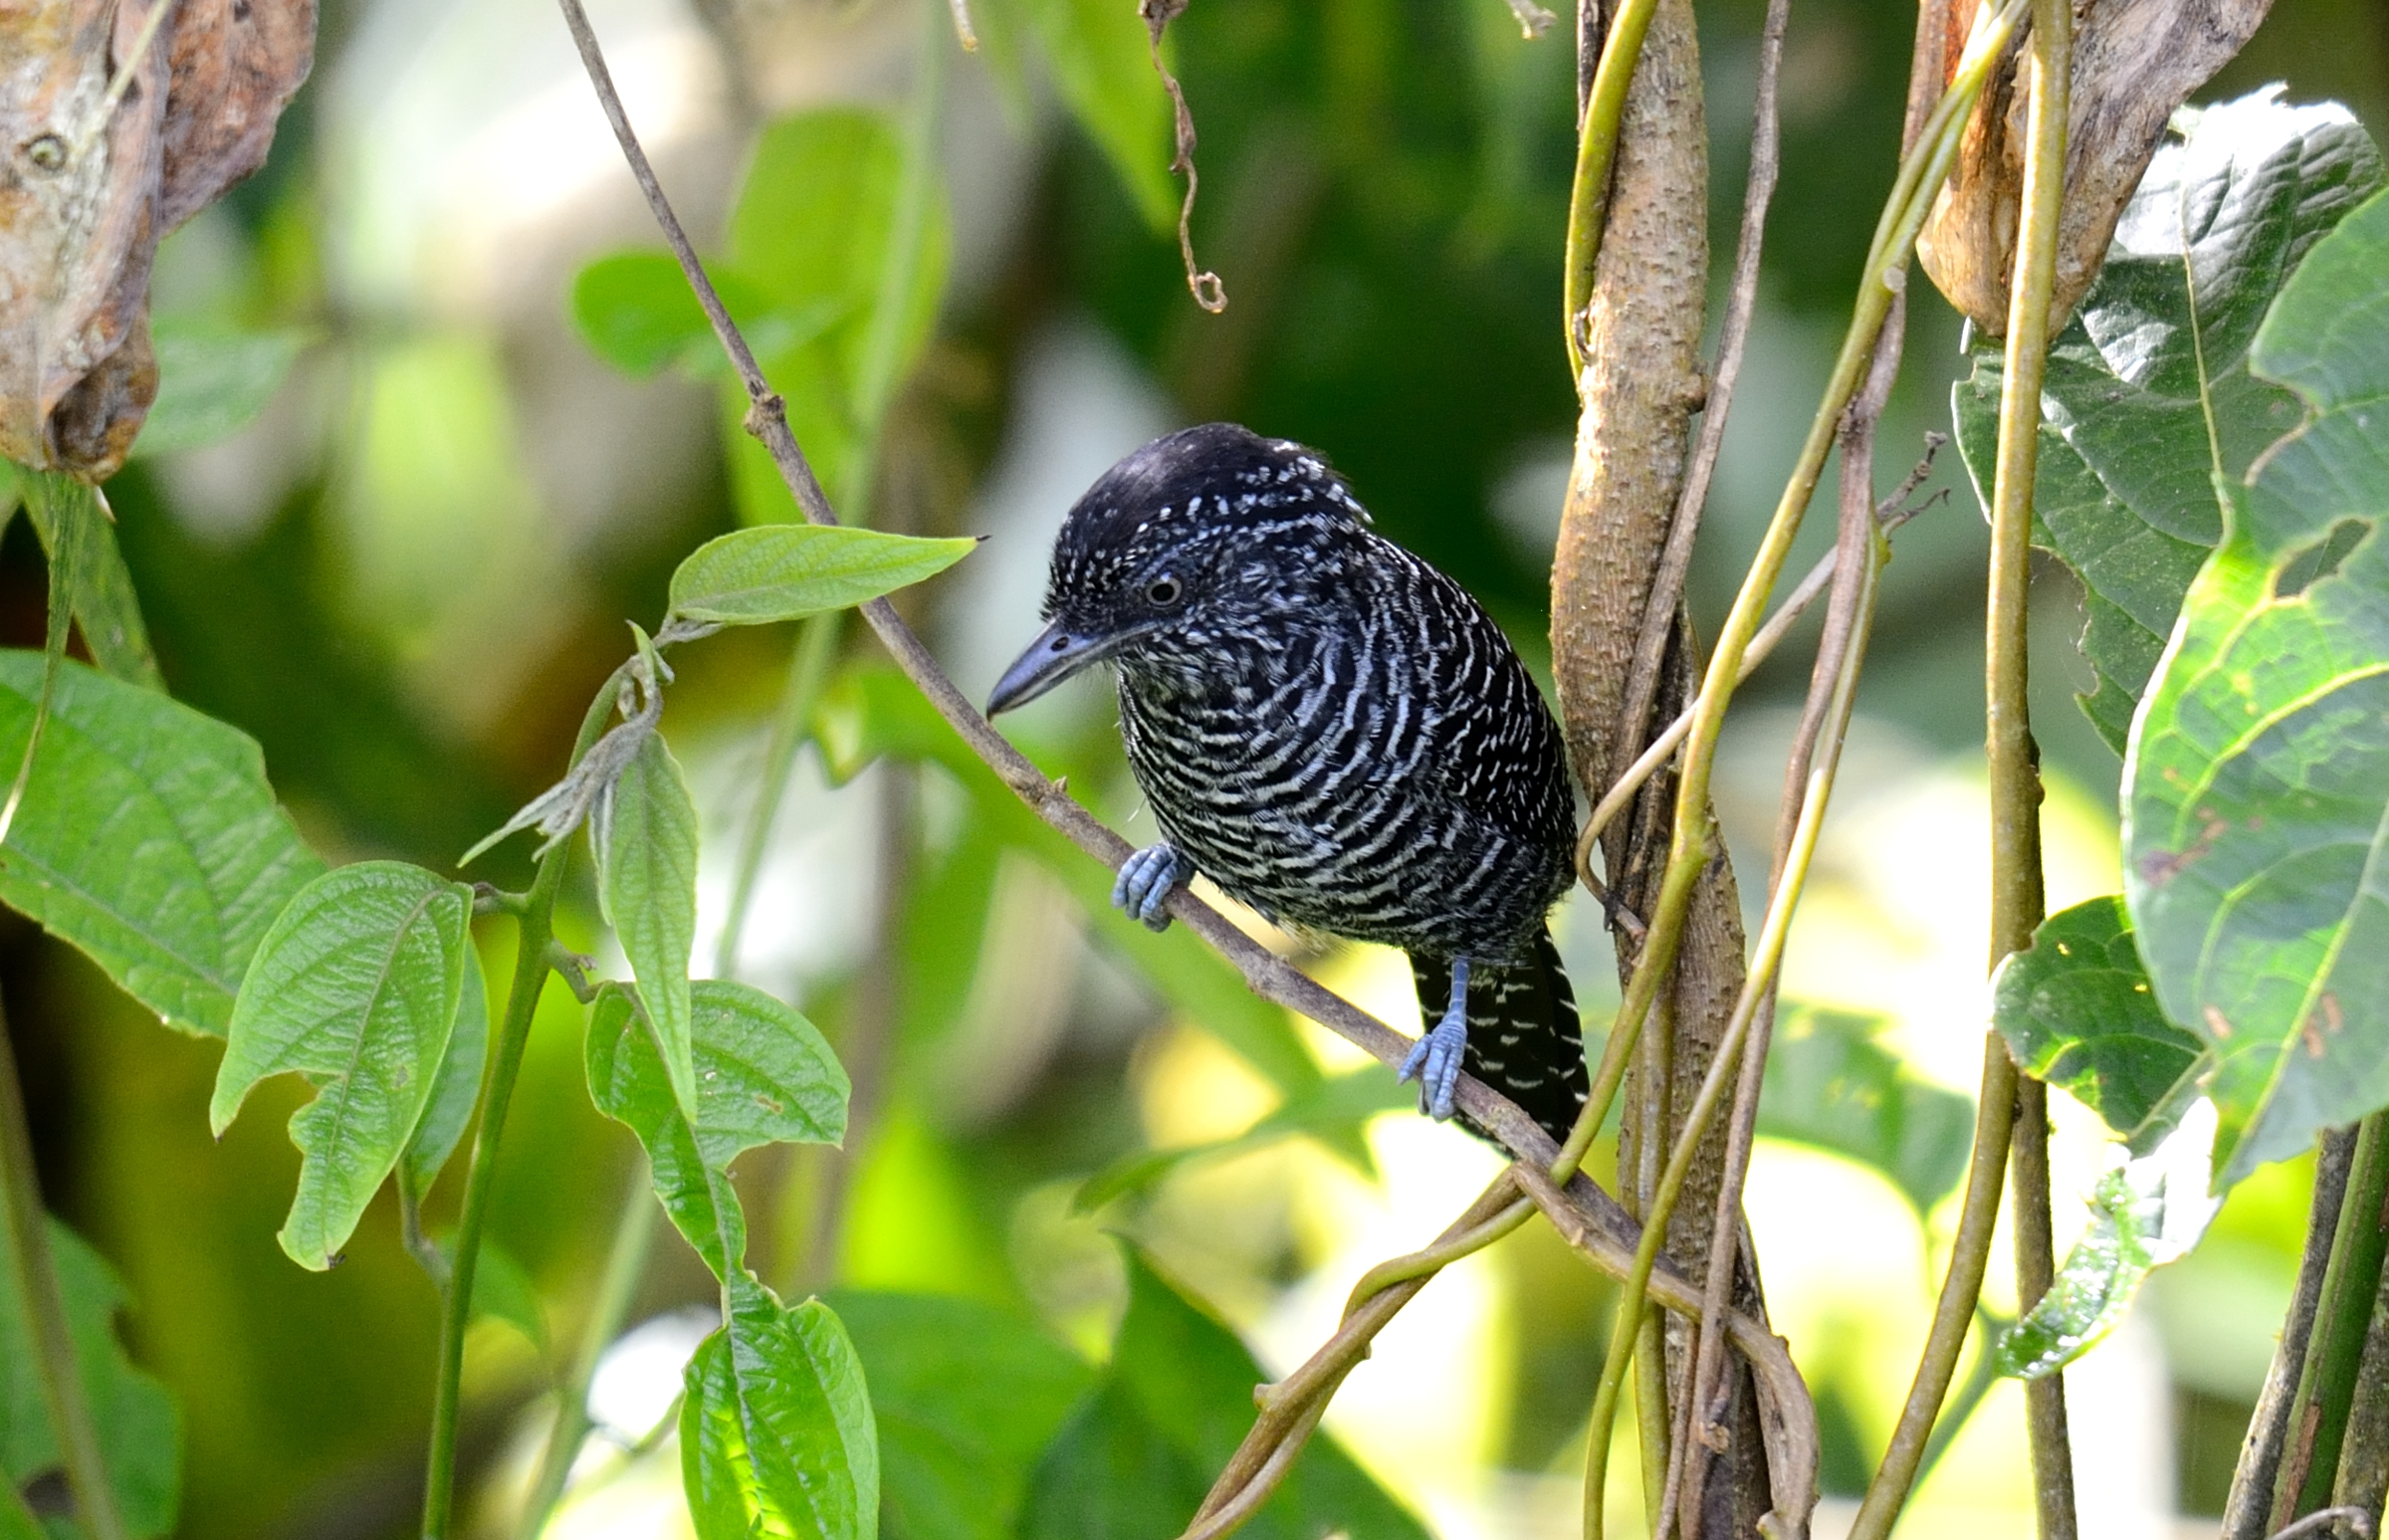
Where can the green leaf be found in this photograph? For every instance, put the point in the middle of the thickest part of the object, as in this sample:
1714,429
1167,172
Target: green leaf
105,606
765,1076
785,571
356,987
839,176
1831,1086
1336,1112
503,1291
636,310
775,1429
646,842
1102,65
966,1397
140,1430
873,711
149,839
2077,1011
455,1087
2124,494
212,382
2257,794
1169,1413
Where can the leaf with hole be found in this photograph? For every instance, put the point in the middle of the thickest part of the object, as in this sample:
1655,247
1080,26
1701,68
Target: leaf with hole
645,837
764,1076
213,381
2126,492
140,1430
355,987
2257,794
775,1428
786,571
966,1397
149,839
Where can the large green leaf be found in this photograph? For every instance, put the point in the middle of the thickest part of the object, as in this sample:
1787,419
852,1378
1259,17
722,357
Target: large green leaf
786,571
149,838
212,382
2256,791
1831,1085
2077,1011
776,1432
1102,63
764,1076
356,987
138,1429
646,843
831,220
1171,1406
873,711
2126,492
454,1086
966,1397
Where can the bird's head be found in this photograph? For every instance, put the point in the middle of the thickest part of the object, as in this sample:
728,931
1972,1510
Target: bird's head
1202,539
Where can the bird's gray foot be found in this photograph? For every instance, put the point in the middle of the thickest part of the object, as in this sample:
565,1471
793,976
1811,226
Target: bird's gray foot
1145,881
1436,1063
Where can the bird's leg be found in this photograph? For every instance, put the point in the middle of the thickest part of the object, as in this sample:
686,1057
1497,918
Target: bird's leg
1145,881
1435,1061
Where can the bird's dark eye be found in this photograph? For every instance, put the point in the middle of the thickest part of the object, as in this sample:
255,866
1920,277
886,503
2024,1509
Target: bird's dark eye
1163,591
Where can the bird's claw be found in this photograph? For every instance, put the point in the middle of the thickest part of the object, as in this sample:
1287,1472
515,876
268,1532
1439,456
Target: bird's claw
1146,878
1434,1063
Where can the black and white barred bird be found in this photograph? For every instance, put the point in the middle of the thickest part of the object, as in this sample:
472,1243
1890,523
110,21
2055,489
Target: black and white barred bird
1333,731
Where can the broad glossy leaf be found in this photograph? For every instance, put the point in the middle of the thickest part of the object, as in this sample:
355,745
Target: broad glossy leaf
355,986
636,310
785,571
764,1075
1103,67
775,1428
149,839
966,1397
138,1429
2124,494
1831,1085
213,381
456,1086
107,609
1170,1410
873,711
2257,793
2077,1011
646,846
820,224
1336,1112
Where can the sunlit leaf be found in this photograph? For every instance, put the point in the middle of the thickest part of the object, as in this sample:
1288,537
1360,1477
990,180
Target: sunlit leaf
149,839
636,310
140,1430
775,1428
2078,1012
1139,1453
647,886
1335,1111
355,986
456,1085
212,382
966,1397
786,571
1831,1085
1102,63
2124,494
765,1076
2256,799
107,609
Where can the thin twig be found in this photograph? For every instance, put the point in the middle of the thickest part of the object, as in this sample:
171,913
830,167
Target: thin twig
1596,159
2356,1519
1204,286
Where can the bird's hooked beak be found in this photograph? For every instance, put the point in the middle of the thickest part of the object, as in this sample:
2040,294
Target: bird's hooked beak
1054,656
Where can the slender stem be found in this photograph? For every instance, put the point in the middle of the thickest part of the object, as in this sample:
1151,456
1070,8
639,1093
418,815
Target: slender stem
1596,159
2361,1481
617,1290
2016,902
808,668
54,1367
533,930
2326,1386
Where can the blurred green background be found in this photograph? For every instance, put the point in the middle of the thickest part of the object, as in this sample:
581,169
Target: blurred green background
406,575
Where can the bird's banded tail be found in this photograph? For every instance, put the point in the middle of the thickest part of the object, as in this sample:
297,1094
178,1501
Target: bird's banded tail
1523,1038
